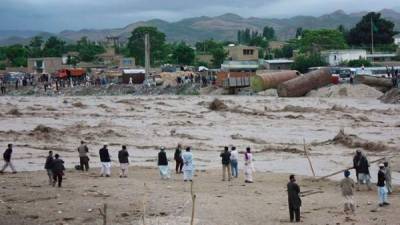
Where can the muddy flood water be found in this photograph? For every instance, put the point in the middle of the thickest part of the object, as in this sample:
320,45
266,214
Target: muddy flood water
275,129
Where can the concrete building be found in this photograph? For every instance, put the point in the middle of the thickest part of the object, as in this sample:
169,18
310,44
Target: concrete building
127,63
381,57
45,65
242,53
336,57
397,40
278,64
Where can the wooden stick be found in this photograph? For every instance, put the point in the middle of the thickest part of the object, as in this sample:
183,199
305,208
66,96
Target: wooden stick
144,204
308,157
193,202
349,168
104,213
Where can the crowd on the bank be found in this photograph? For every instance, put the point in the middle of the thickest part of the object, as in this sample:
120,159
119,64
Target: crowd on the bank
184,163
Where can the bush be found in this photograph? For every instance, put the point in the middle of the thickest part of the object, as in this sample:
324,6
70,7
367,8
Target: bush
303,62
359,63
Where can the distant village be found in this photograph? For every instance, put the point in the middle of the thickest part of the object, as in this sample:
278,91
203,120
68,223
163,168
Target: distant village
371,48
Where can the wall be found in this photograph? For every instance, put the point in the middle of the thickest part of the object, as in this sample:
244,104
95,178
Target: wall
334,58
49,65
242,53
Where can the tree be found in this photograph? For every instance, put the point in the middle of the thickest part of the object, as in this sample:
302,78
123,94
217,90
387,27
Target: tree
383,31
299,32
88,50
17,55
54,47
183,54
35,47
219,56
317,40
208,45
285,52
269,33
157,44
303,62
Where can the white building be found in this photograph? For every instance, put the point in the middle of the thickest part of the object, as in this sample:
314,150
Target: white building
397,40
336,57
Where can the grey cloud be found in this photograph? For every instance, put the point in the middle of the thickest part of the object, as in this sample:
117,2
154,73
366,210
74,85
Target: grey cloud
56,15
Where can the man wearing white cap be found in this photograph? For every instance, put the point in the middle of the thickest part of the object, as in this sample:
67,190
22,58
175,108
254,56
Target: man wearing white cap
105,161
382,190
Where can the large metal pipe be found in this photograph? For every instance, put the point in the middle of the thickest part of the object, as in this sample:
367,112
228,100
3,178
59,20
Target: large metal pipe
374,81
265,81
301,85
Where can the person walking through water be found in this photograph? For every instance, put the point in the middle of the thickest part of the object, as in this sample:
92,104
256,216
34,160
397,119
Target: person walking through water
58,170
248,166
234,162
347,185
123,158
163,164
294,199
361,165
226,163
7,155
48,166
83,156
178,159
188,165
105,161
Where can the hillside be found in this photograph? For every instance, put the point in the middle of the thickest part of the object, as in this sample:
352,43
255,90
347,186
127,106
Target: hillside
222,27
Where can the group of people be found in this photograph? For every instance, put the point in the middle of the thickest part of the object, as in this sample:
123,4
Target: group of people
54,166
230,164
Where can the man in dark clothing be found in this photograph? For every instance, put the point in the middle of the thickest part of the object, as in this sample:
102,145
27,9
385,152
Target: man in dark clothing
123,158
382,190
360,163
83,156
105,161
294,199
58,170
178,159
7,159
226,163
163,163
48,166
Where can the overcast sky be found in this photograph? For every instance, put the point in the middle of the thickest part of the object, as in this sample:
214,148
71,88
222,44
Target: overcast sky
57,15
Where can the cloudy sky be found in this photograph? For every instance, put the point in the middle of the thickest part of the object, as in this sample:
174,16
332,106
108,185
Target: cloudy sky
57,15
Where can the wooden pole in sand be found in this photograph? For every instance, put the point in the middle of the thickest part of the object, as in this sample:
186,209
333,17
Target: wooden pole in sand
103,213
349,168
308,157
193,202
144,205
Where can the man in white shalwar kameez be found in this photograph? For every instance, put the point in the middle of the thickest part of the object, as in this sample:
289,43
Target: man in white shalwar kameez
188,166
248,166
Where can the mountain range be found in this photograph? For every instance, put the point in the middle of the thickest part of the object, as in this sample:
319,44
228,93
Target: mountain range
222,27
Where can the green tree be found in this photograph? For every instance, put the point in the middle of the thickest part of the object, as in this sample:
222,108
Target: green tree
383,31
183,54
17,54
35,47
219,55
285,52
157,45
54,47
317,40
208,45
88,50
299,32
269,33
303,62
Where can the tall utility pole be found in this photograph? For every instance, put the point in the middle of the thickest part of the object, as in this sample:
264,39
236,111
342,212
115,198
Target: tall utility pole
147,55
372,36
